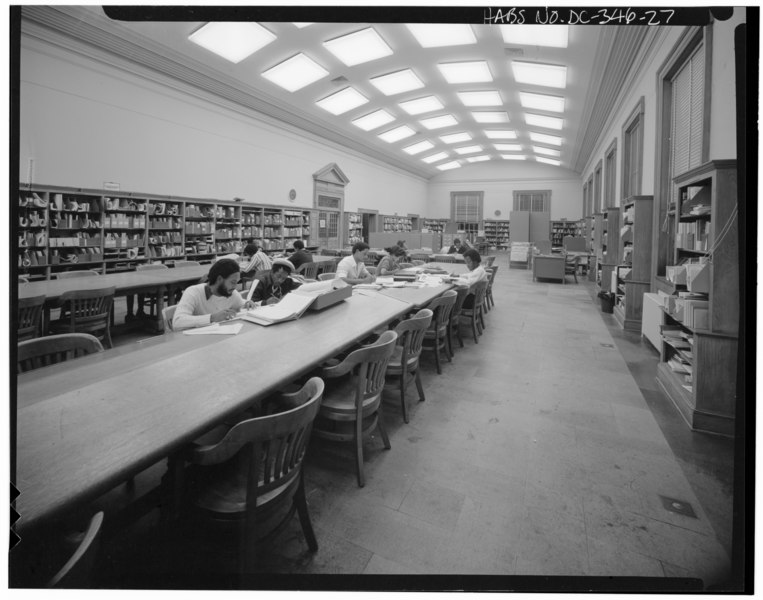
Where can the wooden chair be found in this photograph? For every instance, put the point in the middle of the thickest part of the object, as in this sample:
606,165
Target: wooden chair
326,276
436,337
471,314
23,279
446,259
454,328
571,263
53,349
491,272
30,317
423,258
247,478
487,261
149,300
309,270
404,363
328,266
76,570
168,313
186,263
71,274
352,408
86,311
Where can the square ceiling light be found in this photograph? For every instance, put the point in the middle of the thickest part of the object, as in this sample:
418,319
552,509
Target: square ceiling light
397,134
450,165
302,25
232,41
489,98
295,73
342,101
549,161
508,147
542,101
547,151
436,35
477,158
373,120
490,117
543,138
421,105
539,74
554,36
359,47
439,122
475,71
513,156
468,149
543,121
501,134
454,138
420,147
435,157
397,82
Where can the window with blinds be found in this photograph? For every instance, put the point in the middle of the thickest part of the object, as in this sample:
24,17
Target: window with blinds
597,187
466,210
687,113
533,200
633,143
610,173
328,202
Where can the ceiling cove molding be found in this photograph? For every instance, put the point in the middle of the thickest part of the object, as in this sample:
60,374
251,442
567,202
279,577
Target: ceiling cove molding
514,182
626,44
81,36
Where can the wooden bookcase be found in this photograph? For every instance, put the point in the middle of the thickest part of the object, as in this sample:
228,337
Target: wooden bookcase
354,231
609,241
397,224
563,228
67,229
635,261
698,373
497,233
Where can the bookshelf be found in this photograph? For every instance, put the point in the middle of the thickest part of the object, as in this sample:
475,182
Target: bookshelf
610,224
354,228
397,224
497,233
563,228
700,292
634,272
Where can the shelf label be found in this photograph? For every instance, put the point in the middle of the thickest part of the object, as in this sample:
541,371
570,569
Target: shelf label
111,186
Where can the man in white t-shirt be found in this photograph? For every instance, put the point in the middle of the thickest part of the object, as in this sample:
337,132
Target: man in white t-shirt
211,302
476,273
352,269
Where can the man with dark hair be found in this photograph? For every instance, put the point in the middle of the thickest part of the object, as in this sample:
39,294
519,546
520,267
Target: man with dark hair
476,273
352,269
271,286
258,261
300,255
457,247
211,302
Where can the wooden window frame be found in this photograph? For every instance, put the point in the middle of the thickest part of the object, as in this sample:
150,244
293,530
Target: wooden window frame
546,194
610,175
634,122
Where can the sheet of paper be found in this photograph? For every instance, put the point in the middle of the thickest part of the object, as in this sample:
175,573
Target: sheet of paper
216,329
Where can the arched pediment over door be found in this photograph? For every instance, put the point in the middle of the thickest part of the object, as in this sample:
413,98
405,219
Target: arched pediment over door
328,198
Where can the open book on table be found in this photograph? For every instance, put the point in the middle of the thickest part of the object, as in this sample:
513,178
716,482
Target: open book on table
292,306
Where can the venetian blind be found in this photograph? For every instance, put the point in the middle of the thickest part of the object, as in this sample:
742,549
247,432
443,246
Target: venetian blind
532,201
467,207
687,113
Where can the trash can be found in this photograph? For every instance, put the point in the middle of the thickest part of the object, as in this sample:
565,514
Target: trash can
607,302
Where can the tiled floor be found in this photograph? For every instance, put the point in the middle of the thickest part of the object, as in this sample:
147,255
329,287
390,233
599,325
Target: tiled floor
544,450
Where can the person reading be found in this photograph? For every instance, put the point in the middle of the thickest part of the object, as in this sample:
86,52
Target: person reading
271,286
390,264
352,269
457,247
300,256
476,273
214,301
258,261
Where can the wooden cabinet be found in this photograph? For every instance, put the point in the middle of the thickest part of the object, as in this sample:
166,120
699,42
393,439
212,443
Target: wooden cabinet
610,229
698,354
634,271
497,233
527,226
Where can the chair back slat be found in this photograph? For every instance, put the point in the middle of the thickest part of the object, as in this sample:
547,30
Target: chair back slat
309,270
480,288
30,317
53,349
411,334
442,307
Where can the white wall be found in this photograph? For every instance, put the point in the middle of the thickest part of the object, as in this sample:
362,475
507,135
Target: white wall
85,123
499,181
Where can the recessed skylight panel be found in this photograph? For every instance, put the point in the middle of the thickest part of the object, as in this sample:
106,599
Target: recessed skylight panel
539,74
508,147
466,72
398,82
454,138
544,121
435,35
488,98
490,117
468,149
542,101
232,41
439,122
302,25
547,151
342,101
373,120
420,147
359,47
450,165
435,157
421,105
295,73
501,134
546,139
554,36
472,159
549,161
397,134
513,156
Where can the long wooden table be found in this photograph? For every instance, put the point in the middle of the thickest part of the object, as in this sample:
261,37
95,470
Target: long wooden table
86,427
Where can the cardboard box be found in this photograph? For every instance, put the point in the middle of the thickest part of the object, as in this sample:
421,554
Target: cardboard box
676,274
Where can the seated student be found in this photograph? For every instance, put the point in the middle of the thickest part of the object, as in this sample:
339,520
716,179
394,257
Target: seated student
300,255
390,264
476,273
211,302
270,287
457,247
351,268
258,261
